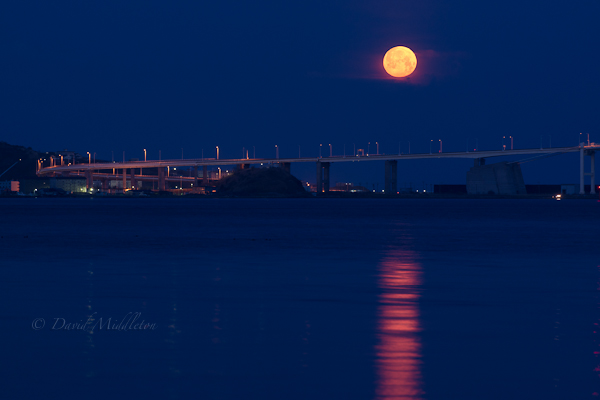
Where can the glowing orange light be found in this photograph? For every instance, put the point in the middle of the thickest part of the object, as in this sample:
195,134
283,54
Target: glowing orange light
400,61
399,349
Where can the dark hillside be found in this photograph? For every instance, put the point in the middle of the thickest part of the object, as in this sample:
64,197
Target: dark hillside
261,182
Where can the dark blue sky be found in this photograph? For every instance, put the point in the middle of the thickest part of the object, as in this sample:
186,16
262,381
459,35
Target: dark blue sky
123,76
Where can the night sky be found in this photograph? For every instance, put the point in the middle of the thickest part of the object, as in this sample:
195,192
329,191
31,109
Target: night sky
104,76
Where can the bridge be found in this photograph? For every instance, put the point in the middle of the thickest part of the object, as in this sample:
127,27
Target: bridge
102,170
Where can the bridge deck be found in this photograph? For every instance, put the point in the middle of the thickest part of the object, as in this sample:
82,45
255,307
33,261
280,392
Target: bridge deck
334,159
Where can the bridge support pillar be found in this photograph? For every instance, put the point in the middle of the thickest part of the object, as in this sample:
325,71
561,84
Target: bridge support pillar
286,166
132,179
592,154
195,176
89,179
391,177
124,180
161,179
581,170
205,175
582,173
319,178
322,177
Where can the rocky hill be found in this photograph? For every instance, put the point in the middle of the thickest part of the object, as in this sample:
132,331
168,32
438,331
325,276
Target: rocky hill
261,182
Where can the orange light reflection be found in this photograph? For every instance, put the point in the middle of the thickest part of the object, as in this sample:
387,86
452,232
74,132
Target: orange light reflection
399,348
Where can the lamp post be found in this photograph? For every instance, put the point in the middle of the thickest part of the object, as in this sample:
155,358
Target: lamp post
430,143
94,159
330,150
320,147
440,145
89,157
368,147
354,151
377,143
144,154
511,142
277,152
503,145
218,154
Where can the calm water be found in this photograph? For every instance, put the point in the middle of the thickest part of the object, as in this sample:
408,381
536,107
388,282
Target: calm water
299,299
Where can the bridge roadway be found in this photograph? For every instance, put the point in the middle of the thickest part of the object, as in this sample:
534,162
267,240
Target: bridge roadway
323,163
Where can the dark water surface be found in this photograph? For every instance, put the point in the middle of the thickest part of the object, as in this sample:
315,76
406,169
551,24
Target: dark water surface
299,299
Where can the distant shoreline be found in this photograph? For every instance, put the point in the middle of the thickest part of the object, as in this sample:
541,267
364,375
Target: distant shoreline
413,196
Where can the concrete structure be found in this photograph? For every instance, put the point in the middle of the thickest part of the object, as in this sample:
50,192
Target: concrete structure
499,184
322,177
205,175
287,167
9,186
161,178
589,151
71,184
569,189
391,177
498,178
89,179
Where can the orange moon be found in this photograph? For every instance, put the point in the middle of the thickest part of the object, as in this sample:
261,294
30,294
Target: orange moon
399,61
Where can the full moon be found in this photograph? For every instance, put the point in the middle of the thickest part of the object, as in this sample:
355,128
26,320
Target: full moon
399,61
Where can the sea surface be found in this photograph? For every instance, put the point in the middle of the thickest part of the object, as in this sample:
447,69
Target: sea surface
299,299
